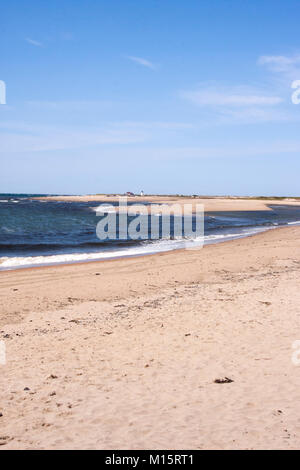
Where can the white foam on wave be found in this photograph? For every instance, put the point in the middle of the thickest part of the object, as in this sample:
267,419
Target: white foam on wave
103,209
294,223
143,249
5,229
9,200
231,236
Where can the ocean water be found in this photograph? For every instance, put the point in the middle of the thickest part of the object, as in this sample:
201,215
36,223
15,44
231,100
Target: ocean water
34,232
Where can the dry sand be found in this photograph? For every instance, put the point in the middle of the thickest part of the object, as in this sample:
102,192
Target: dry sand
124,354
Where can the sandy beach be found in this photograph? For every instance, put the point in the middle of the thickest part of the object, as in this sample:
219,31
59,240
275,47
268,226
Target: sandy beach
124,354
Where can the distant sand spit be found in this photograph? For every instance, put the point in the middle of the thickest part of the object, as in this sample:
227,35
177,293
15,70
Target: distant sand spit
210,204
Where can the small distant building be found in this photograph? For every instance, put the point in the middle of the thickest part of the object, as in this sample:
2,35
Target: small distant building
142,193
129,194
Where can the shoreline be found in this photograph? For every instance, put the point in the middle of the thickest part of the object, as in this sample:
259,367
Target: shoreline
110,355
143,260
125,256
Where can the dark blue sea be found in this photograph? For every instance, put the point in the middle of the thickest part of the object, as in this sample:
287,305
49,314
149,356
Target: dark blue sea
36,232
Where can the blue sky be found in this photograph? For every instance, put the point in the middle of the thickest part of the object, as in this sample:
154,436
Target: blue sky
172,96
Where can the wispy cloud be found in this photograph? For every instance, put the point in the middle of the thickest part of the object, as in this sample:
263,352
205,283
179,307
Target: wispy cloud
33,42
236,105
33,138
70,106
141,61
20,136
230,150
155,125
288,66
233,97
220,151
254,115
280,62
